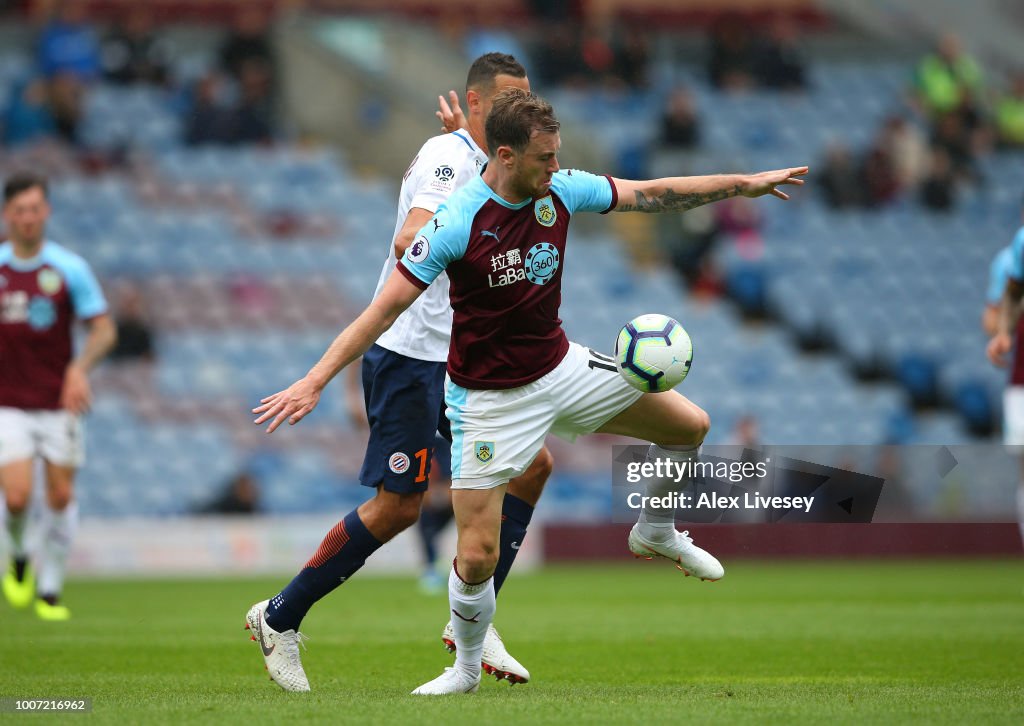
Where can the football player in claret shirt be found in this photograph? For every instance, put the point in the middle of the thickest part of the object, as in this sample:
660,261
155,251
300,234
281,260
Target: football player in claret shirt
513,377
1002,315
403,389
44,388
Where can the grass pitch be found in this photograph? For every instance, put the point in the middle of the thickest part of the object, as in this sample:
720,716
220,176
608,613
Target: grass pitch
830,642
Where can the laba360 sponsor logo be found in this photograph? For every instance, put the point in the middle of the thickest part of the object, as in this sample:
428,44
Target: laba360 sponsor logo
540,266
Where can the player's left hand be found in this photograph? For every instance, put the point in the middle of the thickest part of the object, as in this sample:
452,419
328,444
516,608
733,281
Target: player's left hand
294,403
75,394
450,113
767,182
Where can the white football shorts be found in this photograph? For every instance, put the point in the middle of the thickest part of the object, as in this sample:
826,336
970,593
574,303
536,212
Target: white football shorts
497,434
1013,416
55,436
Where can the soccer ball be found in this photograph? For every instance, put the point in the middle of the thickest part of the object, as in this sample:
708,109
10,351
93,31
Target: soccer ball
653,353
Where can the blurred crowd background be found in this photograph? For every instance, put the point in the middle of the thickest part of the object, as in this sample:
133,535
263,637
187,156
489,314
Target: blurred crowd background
230,169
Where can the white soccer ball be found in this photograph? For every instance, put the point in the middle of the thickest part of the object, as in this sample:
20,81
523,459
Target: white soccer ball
653,353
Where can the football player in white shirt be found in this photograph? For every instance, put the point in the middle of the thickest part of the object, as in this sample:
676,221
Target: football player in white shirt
403,387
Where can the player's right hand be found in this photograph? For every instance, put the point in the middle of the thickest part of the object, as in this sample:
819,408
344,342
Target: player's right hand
452,117
998,349
294,403
75,394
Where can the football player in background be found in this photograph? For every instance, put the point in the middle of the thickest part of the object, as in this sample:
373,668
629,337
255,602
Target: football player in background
44,389
1001,316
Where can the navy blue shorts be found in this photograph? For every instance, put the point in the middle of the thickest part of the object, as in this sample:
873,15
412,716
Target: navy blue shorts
405,407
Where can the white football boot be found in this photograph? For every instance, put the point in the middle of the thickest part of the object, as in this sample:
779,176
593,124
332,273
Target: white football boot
451,681
496,661
689,558
280,650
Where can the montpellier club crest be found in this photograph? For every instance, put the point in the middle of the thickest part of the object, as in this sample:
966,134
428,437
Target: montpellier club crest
544,211
398,463
484,451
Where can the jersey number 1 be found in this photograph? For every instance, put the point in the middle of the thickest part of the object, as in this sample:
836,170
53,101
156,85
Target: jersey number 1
423,456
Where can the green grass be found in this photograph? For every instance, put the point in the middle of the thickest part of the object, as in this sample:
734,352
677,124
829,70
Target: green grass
771,643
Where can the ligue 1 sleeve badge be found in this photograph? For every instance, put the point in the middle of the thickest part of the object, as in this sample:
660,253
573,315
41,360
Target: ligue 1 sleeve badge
544,211
484,450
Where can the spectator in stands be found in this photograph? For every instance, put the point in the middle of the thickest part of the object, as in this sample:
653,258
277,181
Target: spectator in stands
688,240
598,52
1009,115
680,127
67,53
134,52
241,495
67,94
906,147
780,62
559,57
952,135
252,117
134,334
28,117
632,58
248,42
209,119
938,191
943,77
67,44
731,61
878,178
839,179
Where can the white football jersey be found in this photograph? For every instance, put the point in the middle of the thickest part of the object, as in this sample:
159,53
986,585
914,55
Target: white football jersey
443,165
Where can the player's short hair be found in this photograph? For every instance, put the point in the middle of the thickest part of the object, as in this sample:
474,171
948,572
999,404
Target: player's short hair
489,66
515,116
22,181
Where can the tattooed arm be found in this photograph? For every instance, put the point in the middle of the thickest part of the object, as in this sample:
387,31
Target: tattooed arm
686,192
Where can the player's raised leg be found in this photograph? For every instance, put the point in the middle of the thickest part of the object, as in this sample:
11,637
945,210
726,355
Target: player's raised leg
676,427
471,585
16,482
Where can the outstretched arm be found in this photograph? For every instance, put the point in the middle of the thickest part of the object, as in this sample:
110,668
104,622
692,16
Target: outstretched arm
680,193
299,399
